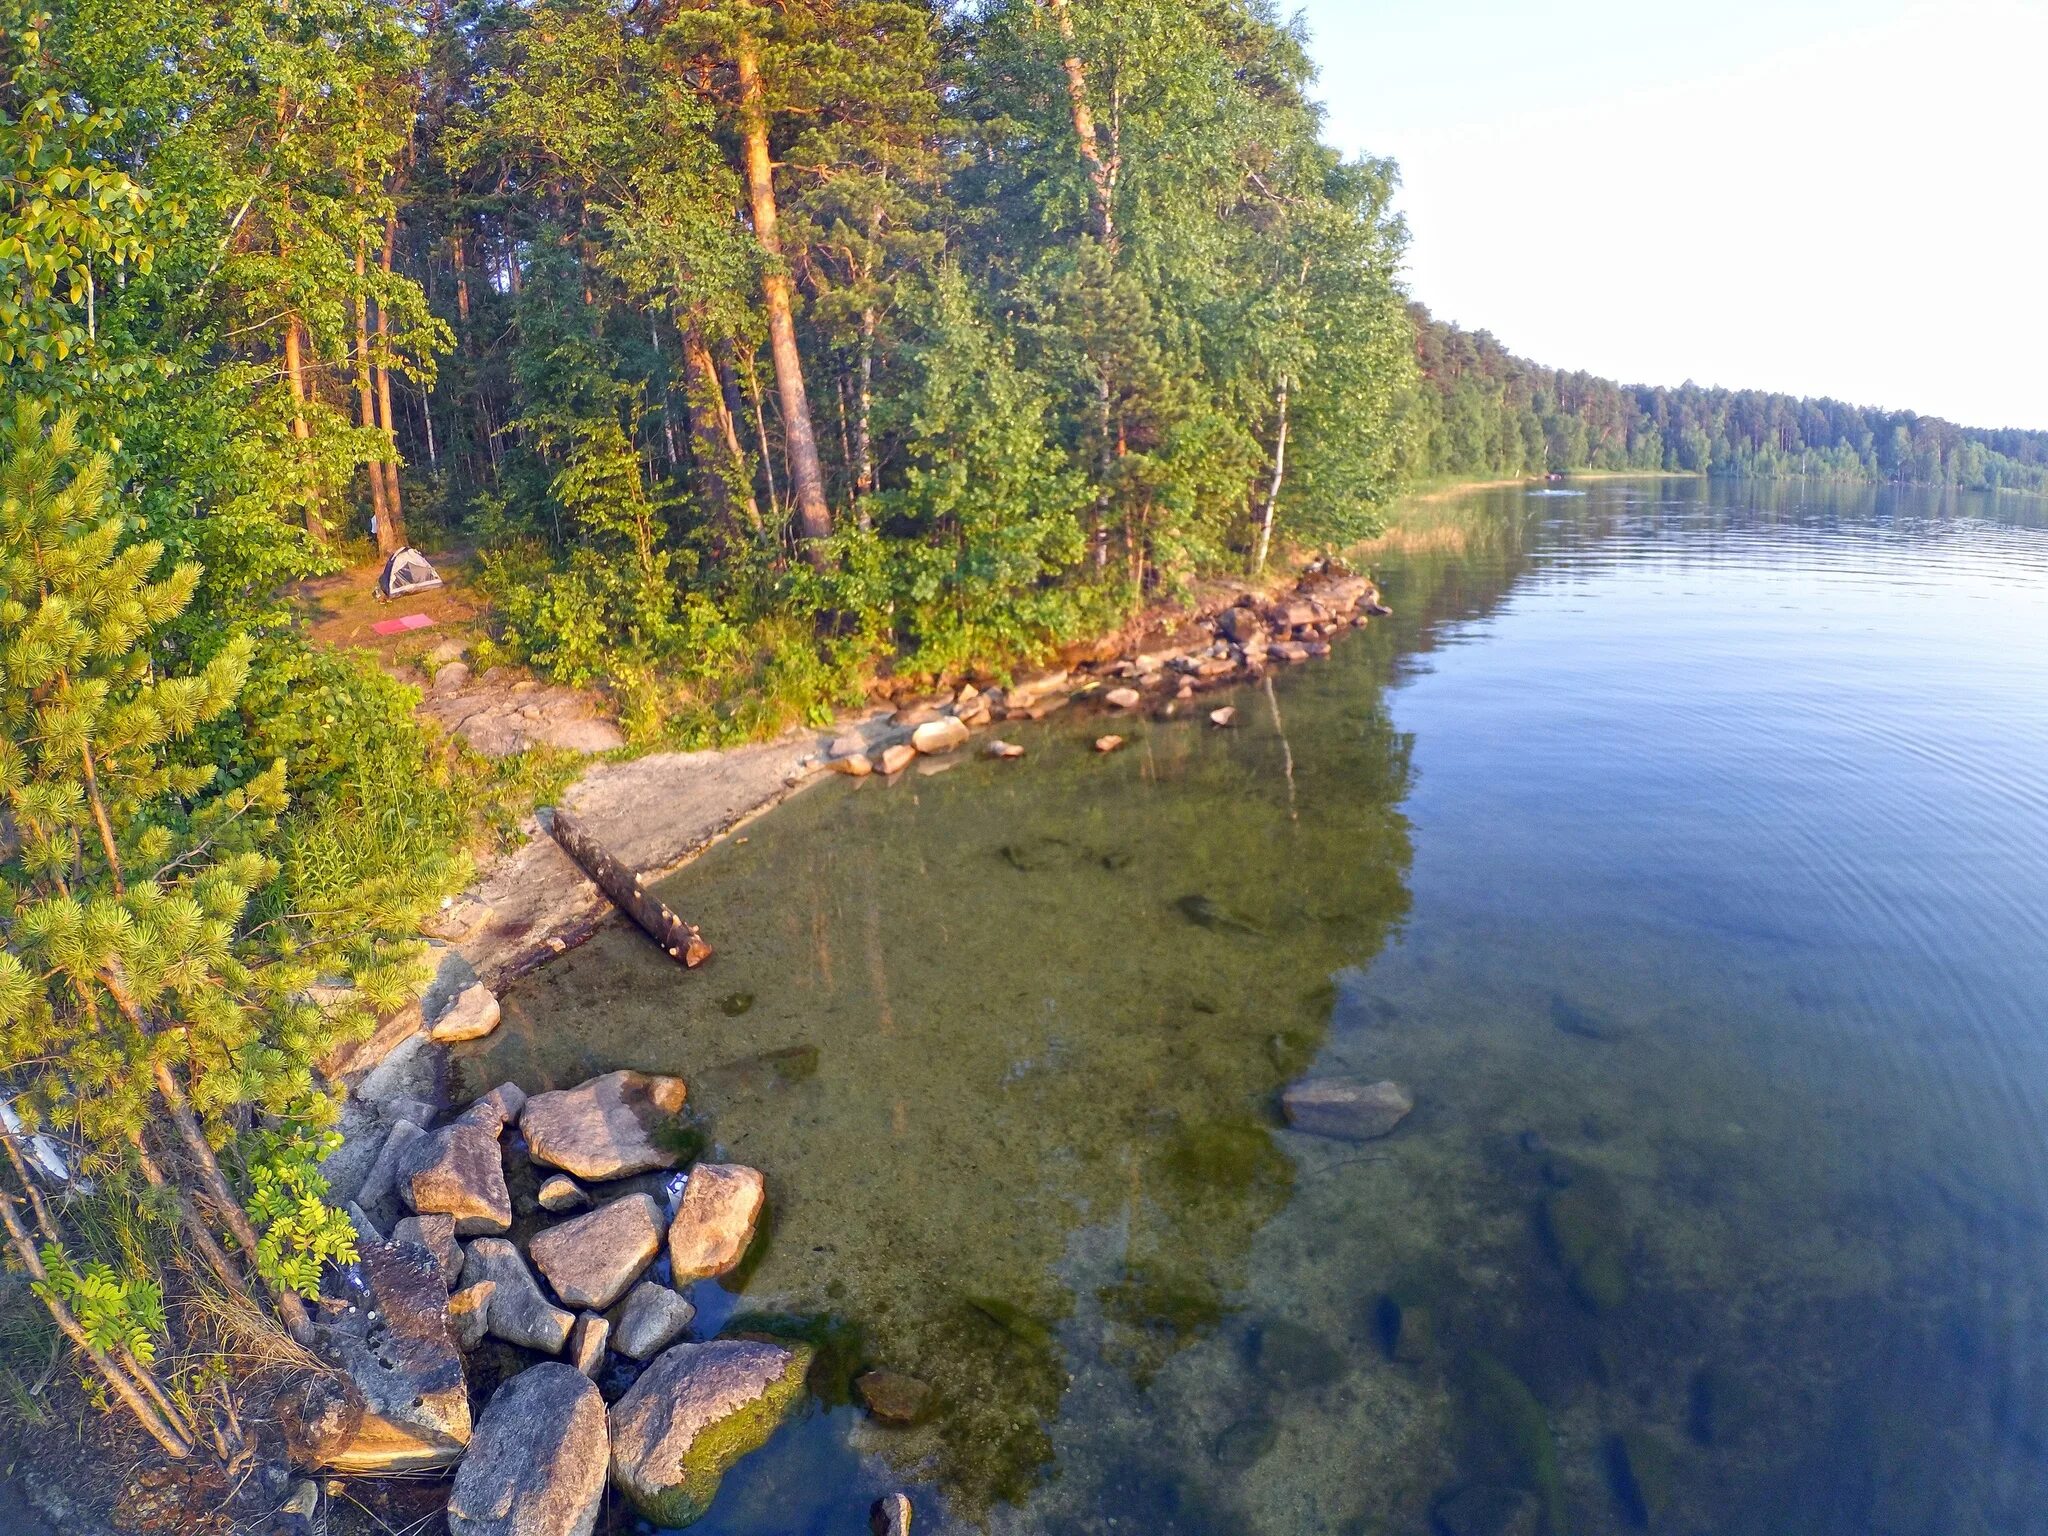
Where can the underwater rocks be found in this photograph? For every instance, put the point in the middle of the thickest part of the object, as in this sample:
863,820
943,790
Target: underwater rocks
653,1318
1007,751
1639,1467
473,1014
1486,1509
457,1171
402,1368
1108,743
1585,1234
1510,1427
603,1129
518,1312
1123,698
893,1397
536,1466
693,1413
591,1260
715,1221
1349,1109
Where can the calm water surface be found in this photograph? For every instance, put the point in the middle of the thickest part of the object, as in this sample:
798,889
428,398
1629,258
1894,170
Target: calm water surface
1684,847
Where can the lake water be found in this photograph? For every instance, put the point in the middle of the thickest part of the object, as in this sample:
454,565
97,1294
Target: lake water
1683,846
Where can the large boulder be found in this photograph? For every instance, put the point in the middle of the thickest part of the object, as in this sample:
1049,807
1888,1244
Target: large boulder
693,1413
537,1464
518,1313
457,1171
378,1183
1345,1107
400,1362
715,1221
653,1318
591,1260
605,1128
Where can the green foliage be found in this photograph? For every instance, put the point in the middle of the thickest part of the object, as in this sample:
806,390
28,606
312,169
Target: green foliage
116,1313
301,1233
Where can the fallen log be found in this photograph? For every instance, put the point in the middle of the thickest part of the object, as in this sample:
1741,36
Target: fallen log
681,940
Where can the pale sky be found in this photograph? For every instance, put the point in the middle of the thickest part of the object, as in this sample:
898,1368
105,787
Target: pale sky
1817,196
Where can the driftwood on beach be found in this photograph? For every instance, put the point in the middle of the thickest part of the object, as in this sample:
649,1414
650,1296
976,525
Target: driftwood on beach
681,940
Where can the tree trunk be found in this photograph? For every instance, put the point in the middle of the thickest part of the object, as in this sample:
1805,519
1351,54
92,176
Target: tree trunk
714,439
1279,474
366,412
295,373
814,515
679,940
863,419
395,506
1101,172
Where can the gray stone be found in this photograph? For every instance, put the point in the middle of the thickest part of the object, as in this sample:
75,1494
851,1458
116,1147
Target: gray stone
586,1344
366,1229
469,1313
436,1234
451,677
936,736
1347,1108
496,1109
715,1221
397,1354
591,1260
603,1129
457,1171
519,1313
653,1318
1123,698
693,1413
559,1193
890,1515
472,1015
379,1182
537,1464
1240,625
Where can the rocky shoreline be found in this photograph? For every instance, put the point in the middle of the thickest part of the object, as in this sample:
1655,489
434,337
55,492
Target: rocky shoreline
587,1262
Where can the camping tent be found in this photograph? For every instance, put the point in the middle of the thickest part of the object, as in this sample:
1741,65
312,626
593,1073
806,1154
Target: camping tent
407,572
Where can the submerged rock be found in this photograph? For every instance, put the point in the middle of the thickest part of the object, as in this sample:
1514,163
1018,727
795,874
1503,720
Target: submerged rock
1290,1355
604,1129
1123,698
1511,1428
890,1515
653,1318
591,1260
457,1171
397,1353
715,1221
1486,1509
693,1413
472,1015
1245,1443
1206,912
1344,1107
893,1397
1108,743
1572,1019
1585,1234
537,1464
1224,717
1639,1472
518,1313
1003,749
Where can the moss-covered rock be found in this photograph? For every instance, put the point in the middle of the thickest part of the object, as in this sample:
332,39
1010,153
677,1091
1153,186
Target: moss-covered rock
1587,1238
1510,1430
1639,1467
693,1413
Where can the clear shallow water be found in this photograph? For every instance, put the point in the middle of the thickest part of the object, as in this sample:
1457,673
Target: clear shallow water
1684,847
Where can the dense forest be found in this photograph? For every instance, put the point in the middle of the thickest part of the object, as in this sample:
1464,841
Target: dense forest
729,350
1484,411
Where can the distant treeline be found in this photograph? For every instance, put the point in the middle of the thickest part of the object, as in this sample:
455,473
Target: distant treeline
1485,411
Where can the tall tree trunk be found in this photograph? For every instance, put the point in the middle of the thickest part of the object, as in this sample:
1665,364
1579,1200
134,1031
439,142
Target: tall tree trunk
814,515
394,504
1101,171
1279,474
455,241
295,373
366,412
864,413
714,438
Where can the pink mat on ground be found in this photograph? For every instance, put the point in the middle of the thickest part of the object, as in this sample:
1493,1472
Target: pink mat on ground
400,626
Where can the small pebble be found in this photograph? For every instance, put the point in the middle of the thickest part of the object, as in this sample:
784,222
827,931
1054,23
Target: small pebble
1108,743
